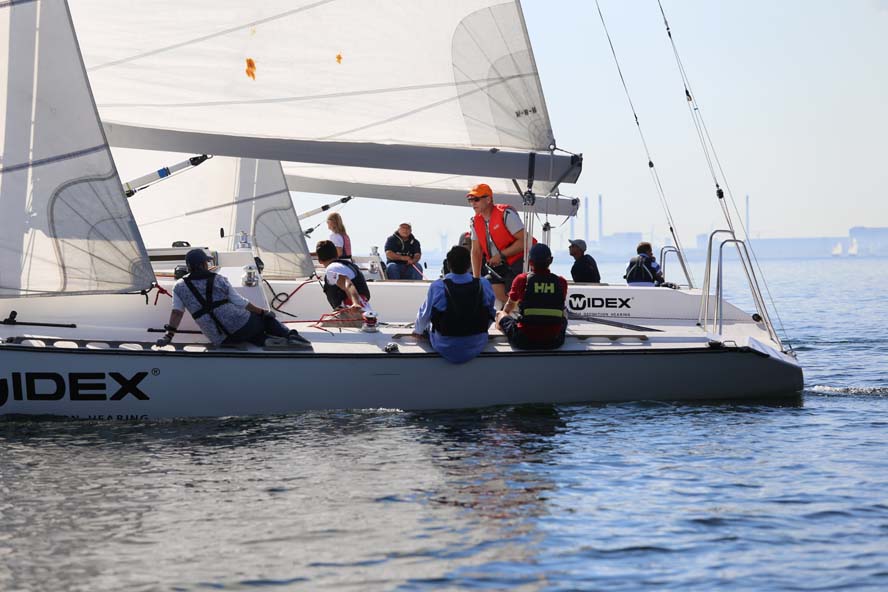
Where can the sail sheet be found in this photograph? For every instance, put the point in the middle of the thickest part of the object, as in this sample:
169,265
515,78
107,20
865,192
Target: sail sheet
356,79
65,226
211,204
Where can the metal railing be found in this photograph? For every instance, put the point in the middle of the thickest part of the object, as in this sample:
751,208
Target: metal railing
715,323
670,249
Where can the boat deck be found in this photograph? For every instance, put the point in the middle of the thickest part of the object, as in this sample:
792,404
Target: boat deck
395,338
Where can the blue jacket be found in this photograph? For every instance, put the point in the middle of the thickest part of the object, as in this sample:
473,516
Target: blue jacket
453,349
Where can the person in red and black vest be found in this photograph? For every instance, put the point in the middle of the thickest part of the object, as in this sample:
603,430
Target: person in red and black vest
539,297
498,238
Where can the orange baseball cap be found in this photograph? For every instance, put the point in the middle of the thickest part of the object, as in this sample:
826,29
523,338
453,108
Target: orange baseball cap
480,190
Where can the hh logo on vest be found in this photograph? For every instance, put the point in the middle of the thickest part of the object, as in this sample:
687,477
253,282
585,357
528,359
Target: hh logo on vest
544,288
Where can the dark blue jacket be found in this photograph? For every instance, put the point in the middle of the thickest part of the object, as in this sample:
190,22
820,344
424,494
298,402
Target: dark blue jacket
400,246
585,270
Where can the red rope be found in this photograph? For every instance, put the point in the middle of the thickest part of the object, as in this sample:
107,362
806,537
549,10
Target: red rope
277,305
329,317
323,320
160,290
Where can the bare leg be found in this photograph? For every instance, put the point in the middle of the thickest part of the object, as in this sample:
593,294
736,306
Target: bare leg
499,290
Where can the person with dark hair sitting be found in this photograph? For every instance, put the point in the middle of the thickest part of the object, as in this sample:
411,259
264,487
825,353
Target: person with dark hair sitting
223,315
344,284
643,269
459,310
539,297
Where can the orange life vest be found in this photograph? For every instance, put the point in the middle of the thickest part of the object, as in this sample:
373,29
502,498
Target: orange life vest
500,235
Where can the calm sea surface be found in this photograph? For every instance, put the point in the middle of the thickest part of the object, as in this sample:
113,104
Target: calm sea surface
614,497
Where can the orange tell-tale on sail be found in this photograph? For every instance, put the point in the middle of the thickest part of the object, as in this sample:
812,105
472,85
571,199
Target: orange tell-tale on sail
338,58
251,68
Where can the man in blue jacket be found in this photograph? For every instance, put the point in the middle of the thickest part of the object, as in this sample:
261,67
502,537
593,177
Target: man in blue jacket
459,309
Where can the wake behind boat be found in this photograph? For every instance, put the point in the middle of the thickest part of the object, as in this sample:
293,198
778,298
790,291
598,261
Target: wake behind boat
88,298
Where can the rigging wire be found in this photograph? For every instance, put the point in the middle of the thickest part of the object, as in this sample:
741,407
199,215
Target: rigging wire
661,193
711,156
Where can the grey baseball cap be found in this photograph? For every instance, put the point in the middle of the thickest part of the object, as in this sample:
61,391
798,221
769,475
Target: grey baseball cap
578,243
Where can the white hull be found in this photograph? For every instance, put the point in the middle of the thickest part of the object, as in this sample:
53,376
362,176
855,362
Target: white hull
223,383
624,343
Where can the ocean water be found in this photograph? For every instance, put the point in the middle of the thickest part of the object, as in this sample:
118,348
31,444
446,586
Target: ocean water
584,497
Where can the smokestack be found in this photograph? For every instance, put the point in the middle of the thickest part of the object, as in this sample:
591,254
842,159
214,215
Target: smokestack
600,220
748,231
586,206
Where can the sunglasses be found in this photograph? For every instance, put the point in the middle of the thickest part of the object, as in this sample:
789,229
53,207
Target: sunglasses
477,199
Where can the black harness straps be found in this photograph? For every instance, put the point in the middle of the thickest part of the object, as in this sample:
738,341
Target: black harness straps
207,304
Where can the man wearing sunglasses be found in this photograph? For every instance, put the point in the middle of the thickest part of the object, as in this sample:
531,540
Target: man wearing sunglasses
497,238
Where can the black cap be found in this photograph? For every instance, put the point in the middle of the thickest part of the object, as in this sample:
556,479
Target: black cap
540,254
196,258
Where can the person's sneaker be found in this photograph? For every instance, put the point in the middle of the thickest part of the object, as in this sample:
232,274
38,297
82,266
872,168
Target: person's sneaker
296,340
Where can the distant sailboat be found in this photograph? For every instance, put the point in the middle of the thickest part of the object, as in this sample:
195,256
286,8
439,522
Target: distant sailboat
837,250
852,249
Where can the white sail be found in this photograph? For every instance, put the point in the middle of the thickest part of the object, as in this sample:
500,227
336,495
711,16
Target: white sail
426,86
211,204
65,226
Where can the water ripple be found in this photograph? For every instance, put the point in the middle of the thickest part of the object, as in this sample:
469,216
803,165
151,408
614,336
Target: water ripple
664,496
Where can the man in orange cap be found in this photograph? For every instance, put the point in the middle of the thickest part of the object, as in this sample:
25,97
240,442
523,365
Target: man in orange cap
497,237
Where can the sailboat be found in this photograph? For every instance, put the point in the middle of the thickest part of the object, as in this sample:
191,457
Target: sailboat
837,250
852,248
84,301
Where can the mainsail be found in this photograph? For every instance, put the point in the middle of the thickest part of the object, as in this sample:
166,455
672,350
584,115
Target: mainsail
439,89
65,226
210,205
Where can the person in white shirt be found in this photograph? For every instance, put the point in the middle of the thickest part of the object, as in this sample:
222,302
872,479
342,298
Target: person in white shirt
344,284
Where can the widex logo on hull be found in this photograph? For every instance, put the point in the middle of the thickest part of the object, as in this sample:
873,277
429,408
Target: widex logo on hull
77,386
582,302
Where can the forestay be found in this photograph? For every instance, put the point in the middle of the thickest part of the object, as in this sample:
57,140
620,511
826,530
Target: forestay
423,86
65,226
209,206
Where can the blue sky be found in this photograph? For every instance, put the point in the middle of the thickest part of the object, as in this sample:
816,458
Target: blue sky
794,94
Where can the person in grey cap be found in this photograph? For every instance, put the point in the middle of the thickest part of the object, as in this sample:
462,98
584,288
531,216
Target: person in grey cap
585,269
223,315
539,297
